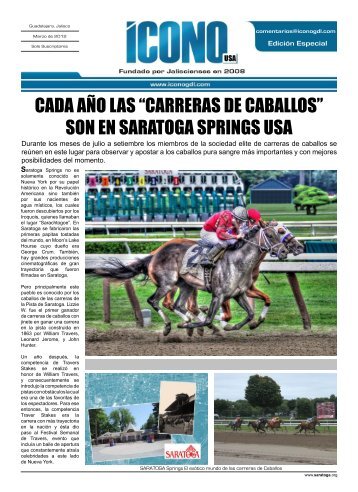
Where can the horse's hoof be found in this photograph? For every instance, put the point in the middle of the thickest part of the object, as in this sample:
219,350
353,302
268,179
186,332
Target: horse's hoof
167,330
189,332
255,323
229,327
217,332
200,331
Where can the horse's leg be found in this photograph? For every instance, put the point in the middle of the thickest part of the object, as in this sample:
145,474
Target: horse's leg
168,301
193,307
225,316
214,306
186,291
192,303
255,293
154,302
242,300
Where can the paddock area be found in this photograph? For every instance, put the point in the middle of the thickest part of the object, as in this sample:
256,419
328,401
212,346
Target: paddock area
128,450
244,448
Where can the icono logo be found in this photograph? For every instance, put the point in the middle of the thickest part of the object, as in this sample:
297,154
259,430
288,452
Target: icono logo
182,451
171,42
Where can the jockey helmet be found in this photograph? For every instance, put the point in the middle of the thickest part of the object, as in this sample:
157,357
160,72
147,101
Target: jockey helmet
253,215
240,213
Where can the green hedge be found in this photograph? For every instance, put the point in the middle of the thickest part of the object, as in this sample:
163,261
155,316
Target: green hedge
119,248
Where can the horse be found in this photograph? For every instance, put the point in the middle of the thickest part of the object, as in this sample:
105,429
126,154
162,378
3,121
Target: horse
293,246
308,425
235,424
258,425
274,423
231,277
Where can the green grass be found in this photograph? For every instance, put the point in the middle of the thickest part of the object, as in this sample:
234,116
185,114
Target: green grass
285,212
319,291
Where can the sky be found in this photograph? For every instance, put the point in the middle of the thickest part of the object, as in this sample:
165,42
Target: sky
293,385
140,412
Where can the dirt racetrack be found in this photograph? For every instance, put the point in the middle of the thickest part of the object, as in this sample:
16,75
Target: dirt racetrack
142,342
249,448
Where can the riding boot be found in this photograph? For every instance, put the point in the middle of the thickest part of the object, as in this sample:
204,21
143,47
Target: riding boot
208,259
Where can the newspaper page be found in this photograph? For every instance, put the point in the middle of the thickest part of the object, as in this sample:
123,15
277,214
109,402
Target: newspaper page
175,191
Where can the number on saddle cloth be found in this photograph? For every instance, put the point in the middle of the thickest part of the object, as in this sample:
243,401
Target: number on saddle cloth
195,255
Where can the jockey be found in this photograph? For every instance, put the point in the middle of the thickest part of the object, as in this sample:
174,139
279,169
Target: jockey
225,228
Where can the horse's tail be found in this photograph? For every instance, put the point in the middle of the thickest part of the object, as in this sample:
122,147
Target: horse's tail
298,426
115,268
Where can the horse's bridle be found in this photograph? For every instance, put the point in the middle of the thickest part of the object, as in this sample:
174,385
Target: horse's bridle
287,238
268,247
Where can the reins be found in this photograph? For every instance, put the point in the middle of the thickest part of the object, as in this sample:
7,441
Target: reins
268,247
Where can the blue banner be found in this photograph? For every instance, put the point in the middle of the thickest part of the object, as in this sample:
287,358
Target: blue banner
295,36
74,82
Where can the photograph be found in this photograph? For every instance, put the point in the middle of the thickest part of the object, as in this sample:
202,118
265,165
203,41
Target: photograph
144,418
177,407
126,432
196,263
275,418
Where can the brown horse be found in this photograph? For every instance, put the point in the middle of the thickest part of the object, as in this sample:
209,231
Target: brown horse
274,423
258,425
292,245
308,425
236,424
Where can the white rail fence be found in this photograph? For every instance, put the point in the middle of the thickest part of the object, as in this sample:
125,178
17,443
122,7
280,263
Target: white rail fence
314,226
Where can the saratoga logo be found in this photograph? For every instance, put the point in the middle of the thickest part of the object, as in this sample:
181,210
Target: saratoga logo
182,451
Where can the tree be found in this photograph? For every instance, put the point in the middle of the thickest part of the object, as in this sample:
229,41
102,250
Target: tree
115,420
327,180
155,411
283,408
222,407
119,419
251,178
243,408
291,404
309,198
99,423
264,392
126,418
151,422
304,408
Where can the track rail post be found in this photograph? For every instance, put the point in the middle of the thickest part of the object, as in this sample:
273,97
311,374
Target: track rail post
295,286
134,302
107,300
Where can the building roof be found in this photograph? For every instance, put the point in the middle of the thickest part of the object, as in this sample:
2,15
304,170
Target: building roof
130,428
177,406
271,184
